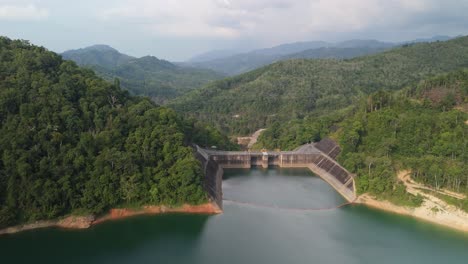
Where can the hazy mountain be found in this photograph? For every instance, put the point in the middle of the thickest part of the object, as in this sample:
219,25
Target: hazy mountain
102,55
159,79
433,39
244,62
275,51
236,64
364,43
291,48
213,55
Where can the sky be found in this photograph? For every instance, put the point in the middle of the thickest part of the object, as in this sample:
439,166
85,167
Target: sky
179,29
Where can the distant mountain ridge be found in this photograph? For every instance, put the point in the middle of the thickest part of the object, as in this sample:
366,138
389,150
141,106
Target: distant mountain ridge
159,79
233,64
289,48
212,55
244,62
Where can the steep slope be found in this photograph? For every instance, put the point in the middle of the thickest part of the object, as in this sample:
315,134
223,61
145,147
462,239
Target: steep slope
148,76
72,142
289,89
101,55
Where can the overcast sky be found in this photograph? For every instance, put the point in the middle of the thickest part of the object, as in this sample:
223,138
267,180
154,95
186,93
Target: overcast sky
178,29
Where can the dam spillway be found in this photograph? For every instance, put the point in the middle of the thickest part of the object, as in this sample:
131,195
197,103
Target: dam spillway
318,157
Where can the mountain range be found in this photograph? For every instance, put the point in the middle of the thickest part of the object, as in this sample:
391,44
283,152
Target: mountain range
233,64
149,76
295,88
163,80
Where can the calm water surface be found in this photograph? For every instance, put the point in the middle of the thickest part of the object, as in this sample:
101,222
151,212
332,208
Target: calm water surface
250,234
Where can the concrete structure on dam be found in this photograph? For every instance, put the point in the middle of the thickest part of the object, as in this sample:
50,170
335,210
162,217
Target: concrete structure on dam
318,157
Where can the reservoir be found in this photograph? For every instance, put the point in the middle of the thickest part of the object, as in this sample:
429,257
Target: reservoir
270,216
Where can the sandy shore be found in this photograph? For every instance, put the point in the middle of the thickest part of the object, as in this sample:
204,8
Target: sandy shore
432,210
83,222
449,217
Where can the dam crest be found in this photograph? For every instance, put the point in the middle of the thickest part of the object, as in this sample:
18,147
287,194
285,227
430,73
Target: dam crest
319,157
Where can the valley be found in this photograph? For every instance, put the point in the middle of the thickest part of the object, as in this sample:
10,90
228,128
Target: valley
233,131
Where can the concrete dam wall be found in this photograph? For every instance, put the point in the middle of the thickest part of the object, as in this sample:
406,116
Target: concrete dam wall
213,181
318,157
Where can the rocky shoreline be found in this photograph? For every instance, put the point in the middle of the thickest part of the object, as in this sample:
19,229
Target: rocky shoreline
84,222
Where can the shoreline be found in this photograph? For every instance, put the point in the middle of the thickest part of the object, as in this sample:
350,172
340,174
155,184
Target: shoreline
447,215
85,222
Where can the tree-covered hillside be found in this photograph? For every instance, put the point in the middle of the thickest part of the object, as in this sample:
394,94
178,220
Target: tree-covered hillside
158,79
72,142
299,88
422,128
148,76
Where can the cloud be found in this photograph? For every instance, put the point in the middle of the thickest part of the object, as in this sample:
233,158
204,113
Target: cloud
22,12
276,20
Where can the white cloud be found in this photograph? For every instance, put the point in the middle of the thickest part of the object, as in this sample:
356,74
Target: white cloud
22,12
271,21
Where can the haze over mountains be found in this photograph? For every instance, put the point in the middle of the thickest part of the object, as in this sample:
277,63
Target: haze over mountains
232,64
159,79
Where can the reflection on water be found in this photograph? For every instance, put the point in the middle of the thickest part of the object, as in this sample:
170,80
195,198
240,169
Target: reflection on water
244,234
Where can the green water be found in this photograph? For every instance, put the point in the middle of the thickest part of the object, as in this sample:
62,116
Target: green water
250,234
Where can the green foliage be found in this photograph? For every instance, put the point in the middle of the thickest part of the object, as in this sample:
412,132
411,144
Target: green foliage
291,134
71,142
393,131
298,88
388,131
147,76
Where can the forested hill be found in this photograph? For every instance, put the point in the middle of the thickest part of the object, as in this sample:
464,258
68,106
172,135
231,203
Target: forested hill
149,76
295,88
422,128
101,55
72,142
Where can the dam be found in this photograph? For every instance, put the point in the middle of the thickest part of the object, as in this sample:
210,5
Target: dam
319,157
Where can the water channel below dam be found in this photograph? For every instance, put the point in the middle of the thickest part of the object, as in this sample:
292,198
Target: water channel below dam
254,229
